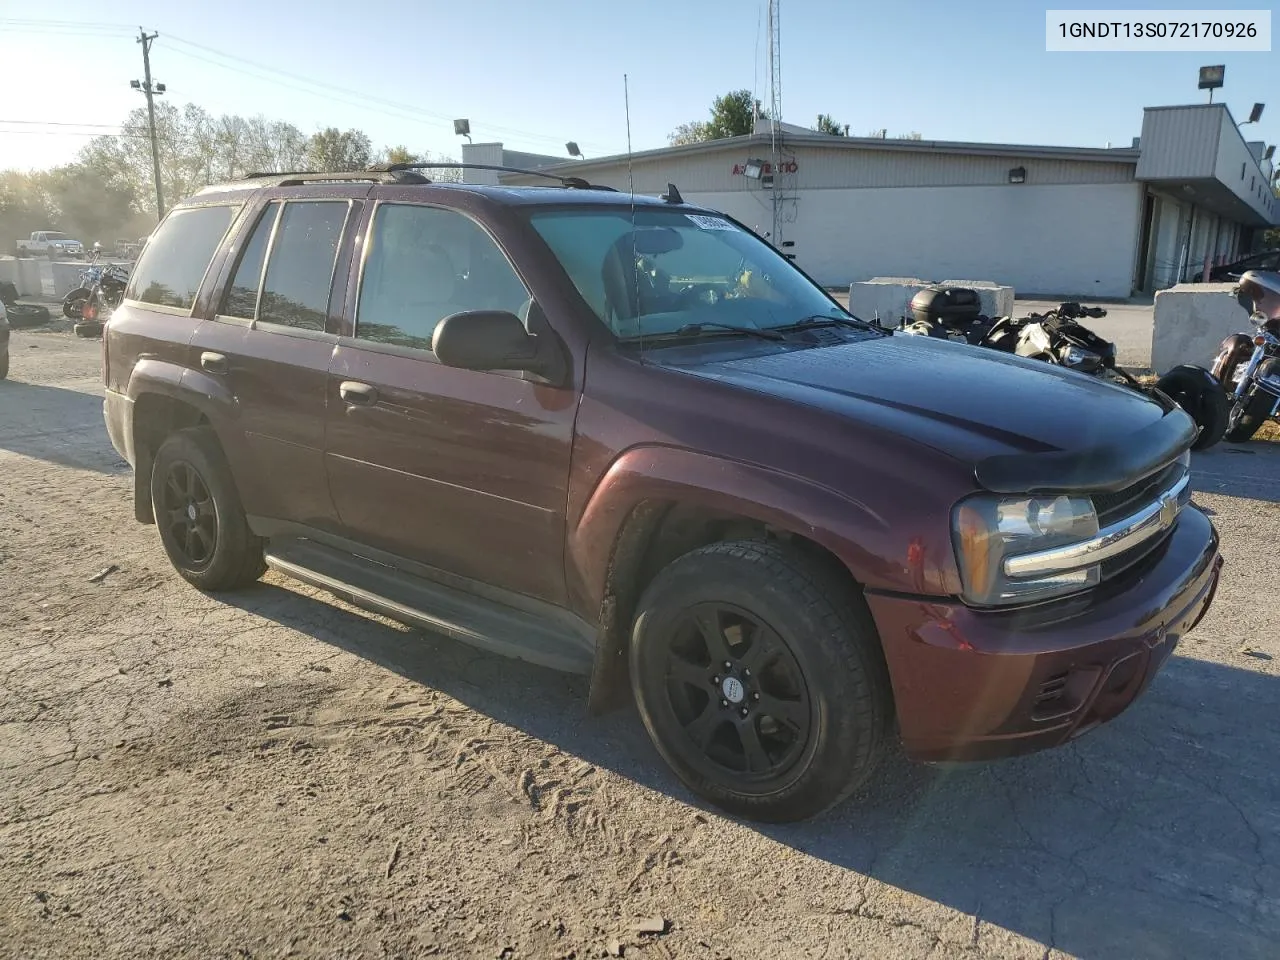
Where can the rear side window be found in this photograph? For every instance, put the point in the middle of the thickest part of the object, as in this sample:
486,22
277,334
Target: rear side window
295,290
178,255
241,299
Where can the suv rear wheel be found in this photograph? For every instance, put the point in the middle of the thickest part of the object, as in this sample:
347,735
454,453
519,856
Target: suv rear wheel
760,680
198,513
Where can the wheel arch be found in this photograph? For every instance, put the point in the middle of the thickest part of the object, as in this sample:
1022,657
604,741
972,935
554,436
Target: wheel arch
164,399
660,519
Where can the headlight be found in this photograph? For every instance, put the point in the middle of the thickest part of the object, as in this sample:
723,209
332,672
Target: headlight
1084,359
988,530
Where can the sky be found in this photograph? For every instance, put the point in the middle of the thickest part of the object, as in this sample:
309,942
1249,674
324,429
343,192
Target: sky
534,75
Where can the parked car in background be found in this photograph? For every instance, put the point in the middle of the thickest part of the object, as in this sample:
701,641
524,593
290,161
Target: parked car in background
51,244
1230,272
627,437
129,249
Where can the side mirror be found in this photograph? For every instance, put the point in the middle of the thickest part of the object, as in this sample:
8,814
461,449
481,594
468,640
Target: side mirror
487,340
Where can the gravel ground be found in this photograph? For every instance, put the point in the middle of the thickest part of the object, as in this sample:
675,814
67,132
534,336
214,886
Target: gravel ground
275,774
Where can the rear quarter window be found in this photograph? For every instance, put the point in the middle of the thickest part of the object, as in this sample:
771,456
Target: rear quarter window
178,255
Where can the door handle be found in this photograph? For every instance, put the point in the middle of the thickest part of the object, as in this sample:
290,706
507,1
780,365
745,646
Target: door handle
360,394
213,362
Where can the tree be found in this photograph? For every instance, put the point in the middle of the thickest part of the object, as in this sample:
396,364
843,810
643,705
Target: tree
86,203
24,206
909,136
828,126
693,132
334,150
400,154
732,115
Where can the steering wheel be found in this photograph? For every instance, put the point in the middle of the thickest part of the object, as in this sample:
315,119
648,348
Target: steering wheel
699,293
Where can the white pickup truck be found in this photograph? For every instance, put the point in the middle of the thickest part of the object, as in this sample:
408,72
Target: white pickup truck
50,243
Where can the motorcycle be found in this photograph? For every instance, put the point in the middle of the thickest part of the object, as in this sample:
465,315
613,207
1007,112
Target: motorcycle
1248,366
101,290
1058,337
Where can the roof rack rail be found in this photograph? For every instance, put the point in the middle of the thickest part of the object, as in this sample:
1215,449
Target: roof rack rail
574,183
290,177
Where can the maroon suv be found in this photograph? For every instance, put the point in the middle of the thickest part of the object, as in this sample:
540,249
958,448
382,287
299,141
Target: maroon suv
627,437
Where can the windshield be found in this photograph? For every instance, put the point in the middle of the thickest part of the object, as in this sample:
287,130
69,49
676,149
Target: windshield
668,270
55,236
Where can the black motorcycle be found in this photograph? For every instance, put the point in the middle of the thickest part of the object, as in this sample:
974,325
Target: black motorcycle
101,290
1058,337
1248,365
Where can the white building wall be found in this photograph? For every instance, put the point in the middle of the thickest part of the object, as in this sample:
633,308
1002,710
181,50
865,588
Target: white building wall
1062,239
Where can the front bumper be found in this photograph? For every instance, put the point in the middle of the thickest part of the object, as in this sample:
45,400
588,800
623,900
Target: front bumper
973,684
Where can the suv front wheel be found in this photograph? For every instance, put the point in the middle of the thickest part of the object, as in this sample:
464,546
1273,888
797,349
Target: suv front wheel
760,680
198,513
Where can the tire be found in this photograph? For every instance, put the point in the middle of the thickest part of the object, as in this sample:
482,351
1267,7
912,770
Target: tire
823,674
4,365
190,475
27,315
73,303
1199,393
1250,412
89,329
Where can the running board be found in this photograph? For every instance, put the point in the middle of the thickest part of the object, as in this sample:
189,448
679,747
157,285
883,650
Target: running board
478,621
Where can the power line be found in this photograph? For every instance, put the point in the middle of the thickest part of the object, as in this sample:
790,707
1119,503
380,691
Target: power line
332,91
58,123
262,71
65,23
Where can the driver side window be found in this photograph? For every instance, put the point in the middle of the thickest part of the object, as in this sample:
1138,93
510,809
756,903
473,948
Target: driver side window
424,264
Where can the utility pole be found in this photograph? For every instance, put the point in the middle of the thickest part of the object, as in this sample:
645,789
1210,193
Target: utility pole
150,90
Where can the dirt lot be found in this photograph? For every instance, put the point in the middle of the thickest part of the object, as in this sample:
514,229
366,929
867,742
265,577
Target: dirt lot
275,774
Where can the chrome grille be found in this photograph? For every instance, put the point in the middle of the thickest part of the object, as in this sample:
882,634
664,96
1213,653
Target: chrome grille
1123,503
1129,501
1133,527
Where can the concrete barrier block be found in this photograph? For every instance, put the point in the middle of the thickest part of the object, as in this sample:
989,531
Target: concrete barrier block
9,270
65,277
1190,322
29,282
890,297
884,297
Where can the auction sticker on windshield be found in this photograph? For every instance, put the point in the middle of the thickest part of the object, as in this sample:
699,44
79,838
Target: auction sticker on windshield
710,223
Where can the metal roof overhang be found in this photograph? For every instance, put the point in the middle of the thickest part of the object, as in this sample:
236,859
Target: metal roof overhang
1215,196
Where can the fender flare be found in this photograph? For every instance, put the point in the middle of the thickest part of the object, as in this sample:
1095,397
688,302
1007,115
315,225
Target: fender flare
207,394
660,473
155,377
607,543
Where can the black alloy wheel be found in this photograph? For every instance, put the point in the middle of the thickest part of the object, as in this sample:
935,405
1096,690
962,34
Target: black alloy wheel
198,513
759,676
737,692
190,517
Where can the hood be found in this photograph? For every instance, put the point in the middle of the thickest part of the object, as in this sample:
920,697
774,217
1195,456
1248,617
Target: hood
968,402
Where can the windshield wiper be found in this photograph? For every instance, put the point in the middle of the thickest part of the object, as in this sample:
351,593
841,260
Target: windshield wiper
821,318
695,329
